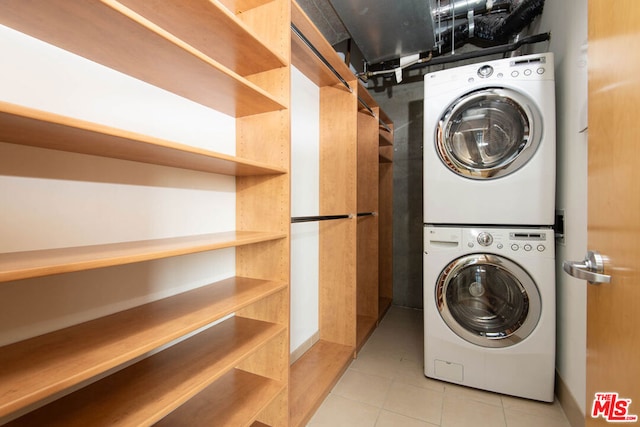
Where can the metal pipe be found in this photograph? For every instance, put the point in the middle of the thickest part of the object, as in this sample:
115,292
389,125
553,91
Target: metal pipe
460,8
298,219
320,57
486,51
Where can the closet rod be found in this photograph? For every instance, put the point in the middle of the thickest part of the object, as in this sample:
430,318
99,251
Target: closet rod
361,101
383,124
367,214
296,219
320,57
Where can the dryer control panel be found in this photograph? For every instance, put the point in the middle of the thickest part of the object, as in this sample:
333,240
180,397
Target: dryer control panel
533,67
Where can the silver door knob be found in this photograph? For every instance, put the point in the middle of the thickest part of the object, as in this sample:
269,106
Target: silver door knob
591,269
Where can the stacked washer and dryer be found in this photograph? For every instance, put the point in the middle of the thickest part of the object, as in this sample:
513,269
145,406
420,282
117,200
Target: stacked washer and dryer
489,197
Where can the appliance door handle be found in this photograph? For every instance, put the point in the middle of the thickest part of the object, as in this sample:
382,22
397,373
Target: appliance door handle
590,269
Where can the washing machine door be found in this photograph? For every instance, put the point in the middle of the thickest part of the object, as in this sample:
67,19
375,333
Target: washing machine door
488,133
488,300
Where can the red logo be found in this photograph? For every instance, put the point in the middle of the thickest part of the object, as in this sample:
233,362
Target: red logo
612,408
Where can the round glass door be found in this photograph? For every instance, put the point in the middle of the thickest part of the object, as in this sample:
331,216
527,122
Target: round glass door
488,300
488,133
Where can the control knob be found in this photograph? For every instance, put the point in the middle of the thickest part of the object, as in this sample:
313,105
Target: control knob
485,239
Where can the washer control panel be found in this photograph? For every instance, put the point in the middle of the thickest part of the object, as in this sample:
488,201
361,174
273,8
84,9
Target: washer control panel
531,242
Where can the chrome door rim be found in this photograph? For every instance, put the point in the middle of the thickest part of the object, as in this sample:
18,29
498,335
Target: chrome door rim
532,133
517,331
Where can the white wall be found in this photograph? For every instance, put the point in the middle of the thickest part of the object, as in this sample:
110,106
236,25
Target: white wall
51,199
305,184
567,22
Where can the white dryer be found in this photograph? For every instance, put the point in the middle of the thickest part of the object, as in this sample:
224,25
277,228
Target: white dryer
489,309
490,143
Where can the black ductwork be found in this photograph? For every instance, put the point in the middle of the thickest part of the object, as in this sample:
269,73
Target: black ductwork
500,27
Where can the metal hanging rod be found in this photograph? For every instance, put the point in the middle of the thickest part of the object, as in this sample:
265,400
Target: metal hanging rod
320,57
334,71
297,219
367,214
361,101
383,124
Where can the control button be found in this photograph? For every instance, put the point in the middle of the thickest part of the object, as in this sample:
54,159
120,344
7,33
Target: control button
527,247
515,74
470,244
541,248
485,71
540,70
485,239
527,72
499,75
500,246
471,80
515,247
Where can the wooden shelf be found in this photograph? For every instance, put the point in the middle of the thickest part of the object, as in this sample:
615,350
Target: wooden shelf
384,159
236,399
186,19
306,61
26,126
386,154
386,138
113,35
38,367
313,376
28,264
145,392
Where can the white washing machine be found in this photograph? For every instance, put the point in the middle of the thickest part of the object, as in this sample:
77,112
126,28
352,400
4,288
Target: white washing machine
490,143
489,309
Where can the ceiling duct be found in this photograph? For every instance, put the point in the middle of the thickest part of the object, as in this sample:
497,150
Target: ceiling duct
384,30
456,22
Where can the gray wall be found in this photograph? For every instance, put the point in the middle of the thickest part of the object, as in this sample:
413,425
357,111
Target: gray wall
404,104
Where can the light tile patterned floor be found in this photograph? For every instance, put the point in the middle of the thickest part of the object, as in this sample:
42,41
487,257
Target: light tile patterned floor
386,387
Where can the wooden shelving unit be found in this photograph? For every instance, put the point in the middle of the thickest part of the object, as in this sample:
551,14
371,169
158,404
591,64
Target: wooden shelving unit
314,374
368,207
182,357
348,263
385,197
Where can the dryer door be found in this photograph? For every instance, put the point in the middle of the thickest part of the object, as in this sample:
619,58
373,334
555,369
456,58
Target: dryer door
488,300
488,133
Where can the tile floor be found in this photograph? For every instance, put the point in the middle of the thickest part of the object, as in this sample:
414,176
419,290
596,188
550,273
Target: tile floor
386,387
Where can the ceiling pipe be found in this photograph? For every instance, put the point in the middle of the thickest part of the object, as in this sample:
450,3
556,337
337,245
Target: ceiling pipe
461,8
430,61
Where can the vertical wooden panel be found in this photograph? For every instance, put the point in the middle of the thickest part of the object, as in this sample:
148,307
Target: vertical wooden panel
338,169
264,203
338,150
385,220
338,281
